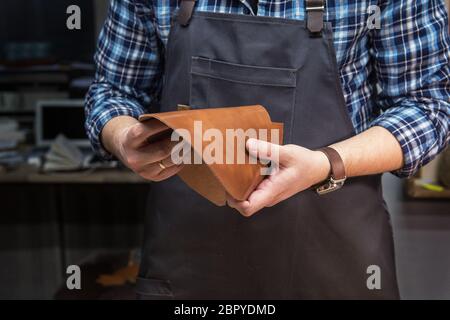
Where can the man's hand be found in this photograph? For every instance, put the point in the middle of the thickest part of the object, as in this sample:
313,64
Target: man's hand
126,138
373,151
298,169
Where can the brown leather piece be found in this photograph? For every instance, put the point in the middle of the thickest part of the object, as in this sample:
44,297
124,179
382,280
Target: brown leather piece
336,163
315,22
315,16
213,181
185,13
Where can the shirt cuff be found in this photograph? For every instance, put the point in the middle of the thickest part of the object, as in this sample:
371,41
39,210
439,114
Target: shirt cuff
416,135
104,112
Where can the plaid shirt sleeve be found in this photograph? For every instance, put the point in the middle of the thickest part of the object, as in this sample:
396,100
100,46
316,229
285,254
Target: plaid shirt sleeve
128,76
412,62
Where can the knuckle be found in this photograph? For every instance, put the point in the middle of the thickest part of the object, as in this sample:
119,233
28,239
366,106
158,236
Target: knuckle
135,131
162,150
247,213
168,149
156,179
133,161
147,174
233,205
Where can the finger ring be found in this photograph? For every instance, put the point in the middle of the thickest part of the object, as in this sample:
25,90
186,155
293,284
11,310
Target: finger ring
161,165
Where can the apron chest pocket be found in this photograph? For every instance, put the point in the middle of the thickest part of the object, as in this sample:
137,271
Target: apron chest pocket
217,83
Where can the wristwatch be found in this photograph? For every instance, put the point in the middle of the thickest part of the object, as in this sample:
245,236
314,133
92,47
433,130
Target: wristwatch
337,173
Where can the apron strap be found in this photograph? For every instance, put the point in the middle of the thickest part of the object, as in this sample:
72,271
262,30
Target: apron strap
185,13
315,12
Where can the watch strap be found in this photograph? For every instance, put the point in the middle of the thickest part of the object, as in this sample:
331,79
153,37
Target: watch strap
337,165
337,172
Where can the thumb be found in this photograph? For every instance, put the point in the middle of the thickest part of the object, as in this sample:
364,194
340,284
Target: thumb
264,150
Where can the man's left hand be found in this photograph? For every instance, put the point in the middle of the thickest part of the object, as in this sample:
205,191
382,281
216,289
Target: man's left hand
297,169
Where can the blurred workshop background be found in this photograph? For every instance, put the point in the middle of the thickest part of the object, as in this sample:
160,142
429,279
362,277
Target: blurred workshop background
61,205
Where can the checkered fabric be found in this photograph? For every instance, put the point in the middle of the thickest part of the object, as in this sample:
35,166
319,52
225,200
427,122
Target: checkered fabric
396,76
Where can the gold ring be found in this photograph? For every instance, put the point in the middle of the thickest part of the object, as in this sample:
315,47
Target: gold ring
161,165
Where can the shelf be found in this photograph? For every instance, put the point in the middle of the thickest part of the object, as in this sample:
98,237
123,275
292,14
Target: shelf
26,174
17,112
415,191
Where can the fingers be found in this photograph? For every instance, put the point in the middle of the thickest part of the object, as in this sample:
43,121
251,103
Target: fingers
266,150
159,150
269,192
137,159
153,160
241,206
150,159
167,162
156,172
138,134
167,173
262,197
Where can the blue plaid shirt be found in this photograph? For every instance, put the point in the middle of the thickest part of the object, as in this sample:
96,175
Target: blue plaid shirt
406,62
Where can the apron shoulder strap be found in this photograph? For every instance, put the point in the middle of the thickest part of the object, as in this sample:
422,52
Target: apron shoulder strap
185,12
315,14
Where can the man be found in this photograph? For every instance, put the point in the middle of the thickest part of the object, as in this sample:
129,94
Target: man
380,104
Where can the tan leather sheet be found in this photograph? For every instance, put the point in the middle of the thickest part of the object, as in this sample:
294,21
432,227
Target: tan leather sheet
214,180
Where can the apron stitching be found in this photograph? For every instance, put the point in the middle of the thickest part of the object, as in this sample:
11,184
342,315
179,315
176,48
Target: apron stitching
337,85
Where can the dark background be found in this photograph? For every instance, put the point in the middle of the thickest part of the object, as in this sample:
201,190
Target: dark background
92,218
44,21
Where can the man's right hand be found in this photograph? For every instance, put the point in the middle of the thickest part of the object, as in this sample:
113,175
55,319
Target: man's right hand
126,138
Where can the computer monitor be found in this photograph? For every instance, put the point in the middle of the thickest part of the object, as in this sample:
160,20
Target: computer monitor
54,117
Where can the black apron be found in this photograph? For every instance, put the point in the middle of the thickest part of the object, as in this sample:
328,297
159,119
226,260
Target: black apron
306,247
